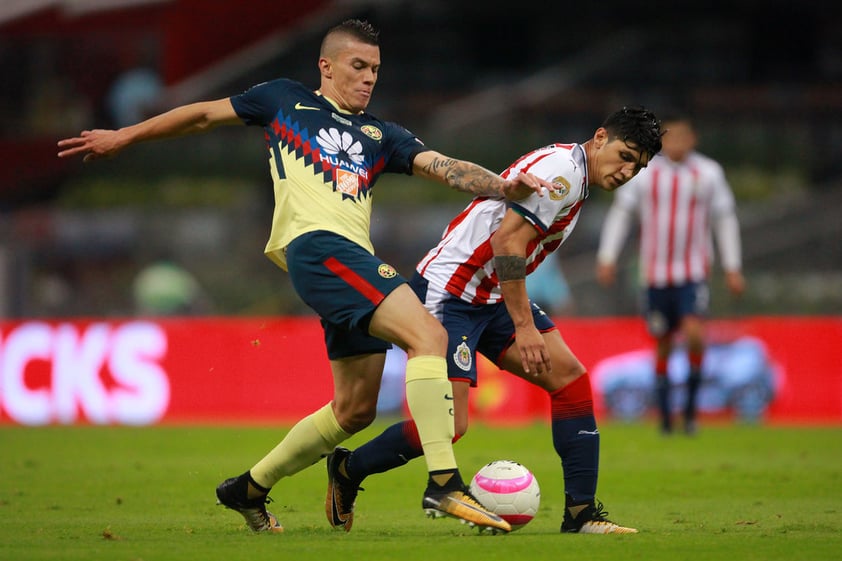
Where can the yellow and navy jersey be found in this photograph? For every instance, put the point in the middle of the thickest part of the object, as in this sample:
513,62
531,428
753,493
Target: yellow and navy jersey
323,161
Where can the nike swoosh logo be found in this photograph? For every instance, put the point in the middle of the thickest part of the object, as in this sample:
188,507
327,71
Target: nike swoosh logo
299,106
338,519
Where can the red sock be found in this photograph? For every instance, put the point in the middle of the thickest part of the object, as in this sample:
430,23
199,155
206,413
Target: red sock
573,400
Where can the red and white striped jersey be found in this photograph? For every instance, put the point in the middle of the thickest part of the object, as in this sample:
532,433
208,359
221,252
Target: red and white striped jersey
678,205
462,263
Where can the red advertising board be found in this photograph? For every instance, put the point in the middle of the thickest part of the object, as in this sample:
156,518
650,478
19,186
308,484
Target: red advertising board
275,370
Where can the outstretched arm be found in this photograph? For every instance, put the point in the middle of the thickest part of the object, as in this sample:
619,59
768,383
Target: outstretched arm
509,244
469,177
186,119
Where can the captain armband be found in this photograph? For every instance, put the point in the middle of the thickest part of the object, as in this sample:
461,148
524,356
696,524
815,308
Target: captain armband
510,267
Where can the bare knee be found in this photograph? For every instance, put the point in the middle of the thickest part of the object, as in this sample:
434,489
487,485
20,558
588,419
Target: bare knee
431,339
563,373
356,417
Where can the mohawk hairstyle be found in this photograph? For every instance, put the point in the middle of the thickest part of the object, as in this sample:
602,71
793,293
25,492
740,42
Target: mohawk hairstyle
360,30
637,125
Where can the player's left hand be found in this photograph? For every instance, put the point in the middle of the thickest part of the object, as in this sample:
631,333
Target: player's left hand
534,355
736,282
524,185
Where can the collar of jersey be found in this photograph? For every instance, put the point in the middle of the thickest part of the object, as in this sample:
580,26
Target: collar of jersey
335,105
581,160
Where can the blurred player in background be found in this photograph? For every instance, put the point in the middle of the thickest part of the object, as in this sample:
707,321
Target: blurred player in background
474,282
325,154
679,200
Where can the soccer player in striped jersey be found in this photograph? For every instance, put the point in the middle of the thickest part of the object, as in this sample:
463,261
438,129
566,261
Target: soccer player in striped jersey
325,155
679,200
473,281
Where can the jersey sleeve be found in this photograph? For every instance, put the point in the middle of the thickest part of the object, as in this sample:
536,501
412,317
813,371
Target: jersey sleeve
724,220
541,211
259,104
402,146
612,237
722,196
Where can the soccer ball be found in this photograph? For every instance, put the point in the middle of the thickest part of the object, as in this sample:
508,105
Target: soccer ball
509,490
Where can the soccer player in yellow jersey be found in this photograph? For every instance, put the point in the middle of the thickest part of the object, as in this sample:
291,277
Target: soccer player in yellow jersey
325,155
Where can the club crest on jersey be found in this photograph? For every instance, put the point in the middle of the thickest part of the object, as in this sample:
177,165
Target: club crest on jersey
386,271
562,188
372,132
462,356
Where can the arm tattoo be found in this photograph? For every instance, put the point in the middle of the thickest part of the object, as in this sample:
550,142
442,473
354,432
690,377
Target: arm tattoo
466,176
510,267
439,166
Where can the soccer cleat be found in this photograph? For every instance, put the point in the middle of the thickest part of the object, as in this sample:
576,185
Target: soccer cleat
253,510
341,492
462,505
592,520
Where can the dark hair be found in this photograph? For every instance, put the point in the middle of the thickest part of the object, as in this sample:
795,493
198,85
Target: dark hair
358,29
636,125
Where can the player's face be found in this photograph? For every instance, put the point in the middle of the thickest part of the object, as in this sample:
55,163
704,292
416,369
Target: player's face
617,162
678,140
349,74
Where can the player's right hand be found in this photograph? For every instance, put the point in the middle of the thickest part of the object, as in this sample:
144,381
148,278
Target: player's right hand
94,144
524,185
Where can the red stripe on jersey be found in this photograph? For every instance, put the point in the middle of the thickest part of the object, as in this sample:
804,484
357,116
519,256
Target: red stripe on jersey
359,283
376,169
691,215
671,234
484,253
556,227
461,217
560,225
483,290
516,166
706,259
465,272
546,249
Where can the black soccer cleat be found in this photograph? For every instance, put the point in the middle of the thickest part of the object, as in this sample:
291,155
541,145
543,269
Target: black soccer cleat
232,494
341,492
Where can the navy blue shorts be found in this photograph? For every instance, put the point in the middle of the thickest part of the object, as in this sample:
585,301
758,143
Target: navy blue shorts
344,284
486,328
664,308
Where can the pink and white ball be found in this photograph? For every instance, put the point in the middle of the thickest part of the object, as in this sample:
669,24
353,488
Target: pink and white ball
509,490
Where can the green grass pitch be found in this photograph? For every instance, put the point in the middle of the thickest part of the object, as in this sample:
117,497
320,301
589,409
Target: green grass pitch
733,492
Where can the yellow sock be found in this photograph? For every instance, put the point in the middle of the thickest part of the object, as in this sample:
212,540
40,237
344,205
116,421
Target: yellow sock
308,441
429,396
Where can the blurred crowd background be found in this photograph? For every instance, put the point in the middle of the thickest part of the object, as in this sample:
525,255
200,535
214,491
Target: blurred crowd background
179,227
